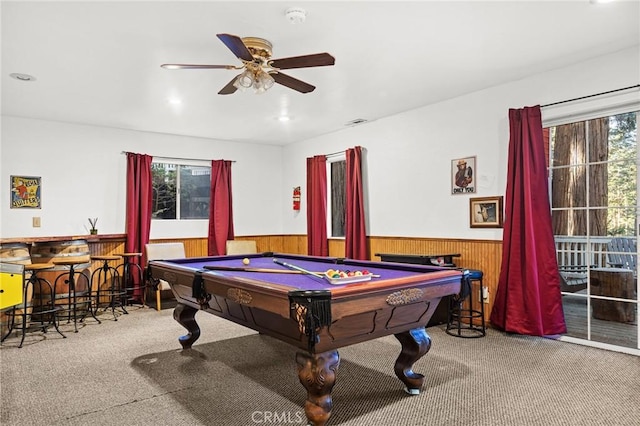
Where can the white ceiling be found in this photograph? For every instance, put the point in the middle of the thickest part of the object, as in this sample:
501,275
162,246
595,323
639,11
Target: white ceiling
98,63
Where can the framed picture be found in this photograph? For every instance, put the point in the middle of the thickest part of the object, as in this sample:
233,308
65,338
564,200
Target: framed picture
463,175
485,212
26,192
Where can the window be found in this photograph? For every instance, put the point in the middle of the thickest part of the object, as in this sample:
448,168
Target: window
180,191
593,176
337,197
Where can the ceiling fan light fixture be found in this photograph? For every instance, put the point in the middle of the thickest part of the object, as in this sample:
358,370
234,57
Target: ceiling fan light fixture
259,67
265,80
257,79
245,80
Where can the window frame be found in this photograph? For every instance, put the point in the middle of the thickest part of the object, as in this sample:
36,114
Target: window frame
341,157
178,164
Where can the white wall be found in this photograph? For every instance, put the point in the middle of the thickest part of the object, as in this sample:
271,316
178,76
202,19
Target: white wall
407,163
83,175
408,156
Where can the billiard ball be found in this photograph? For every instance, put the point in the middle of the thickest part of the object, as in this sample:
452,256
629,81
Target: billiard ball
245,261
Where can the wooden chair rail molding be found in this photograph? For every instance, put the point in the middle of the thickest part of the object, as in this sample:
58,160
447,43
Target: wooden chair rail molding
485,255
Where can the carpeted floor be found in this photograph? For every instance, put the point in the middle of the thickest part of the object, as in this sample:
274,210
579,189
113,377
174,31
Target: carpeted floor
132,372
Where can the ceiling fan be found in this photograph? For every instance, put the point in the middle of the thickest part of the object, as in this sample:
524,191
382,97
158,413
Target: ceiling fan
260,71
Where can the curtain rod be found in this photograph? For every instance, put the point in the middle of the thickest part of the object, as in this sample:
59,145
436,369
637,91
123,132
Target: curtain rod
590,96
333,154
177,158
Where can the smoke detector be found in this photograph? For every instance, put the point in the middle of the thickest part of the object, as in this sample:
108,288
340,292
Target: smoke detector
296,15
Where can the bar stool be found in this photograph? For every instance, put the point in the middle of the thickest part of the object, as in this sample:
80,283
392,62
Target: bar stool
132,278
39,302
106,281
460,321
78,286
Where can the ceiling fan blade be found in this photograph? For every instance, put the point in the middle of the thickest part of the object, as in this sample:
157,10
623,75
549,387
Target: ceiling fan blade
292,83
235,44
196,67
229,88
305,61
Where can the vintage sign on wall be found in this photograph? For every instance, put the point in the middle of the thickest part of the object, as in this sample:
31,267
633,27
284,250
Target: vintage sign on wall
26,192
462,175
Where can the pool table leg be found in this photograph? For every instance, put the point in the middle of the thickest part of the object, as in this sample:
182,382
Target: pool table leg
317,373
415,343
186,317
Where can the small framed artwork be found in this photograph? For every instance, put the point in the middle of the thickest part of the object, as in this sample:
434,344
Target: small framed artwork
26,192
486,212
463,180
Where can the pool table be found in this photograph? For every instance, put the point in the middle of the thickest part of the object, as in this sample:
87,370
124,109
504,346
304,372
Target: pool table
299,305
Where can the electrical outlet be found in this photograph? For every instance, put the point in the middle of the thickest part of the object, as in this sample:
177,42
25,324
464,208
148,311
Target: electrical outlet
36,222
485,294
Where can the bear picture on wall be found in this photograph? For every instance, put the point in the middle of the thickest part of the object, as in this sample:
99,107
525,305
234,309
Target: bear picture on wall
463,175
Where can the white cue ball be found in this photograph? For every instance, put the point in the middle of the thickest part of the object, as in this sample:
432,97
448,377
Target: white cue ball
245,261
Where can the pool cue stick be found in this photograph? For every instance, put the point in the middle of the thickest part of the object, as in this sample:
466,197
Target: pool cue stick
263,270
249,269
297,268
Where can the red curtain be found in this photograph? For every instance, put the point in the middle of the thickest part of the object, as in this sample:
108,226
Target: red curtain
220,208
139,209
355,232
528,299
317,242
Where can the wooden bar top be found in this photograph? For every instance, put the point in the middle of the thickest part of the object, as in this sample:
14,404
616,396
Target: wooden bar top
89,238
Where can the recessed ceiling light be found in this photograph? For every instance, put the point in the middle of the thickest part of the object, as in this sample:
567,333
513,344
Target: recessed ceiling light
284,118
22,77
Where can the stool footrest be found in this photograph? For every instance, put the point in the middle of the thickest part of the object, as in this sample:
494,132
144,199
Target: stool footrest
462,317
467,314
